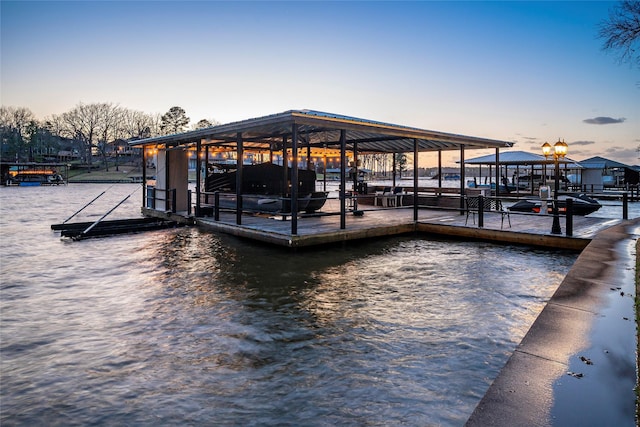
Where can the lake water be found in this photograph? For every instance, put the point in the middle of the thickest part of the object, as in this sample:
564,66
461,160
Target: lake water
181,326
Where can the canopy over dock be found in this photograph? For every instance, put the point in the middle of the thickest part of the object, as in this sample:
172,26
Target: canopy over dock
323,130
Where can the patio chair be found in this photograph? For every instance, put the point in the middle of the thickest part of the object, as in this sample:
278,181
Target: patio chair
385,197
398,193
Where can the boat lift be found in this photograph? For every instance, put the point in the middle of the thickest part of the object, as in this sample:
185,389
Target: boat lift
98,228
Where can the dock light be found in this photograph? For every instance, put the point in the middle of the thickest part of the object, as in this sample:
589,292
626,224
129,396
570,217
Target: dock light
558,151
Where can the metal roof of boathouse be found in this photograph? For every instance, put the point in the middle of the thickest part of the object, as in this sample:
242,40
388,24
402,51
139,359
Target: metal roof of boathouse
517,158
601,163
320,129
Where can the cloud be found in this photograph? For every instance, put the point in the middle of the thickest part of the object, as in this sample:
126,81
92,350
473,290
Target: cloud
583,143
604,120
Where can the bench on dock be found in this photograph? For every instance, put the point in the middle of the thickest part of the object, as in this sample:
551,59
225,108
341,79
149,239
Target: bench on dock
489,204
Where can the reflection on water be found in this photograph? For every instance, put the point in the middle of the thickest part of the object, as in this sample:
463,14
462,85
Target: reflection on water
187,327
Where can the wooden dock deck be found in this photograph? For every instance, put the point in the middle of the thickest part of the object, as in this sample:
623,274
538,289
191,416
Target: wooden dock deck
526,229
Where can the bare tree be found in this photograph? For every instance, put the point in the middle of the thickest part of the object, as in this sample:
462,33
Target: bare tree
621,31
16,117
174,120
137,125
95,128
156,125
109,128
81,123
55,124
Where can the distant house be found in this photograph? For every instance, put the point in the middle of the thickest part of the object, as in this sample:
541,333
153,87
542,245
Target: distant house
599,173
67,155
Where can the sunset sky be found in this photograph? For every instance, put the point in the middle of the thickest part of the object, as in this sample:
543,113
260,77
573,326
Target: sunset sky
526,72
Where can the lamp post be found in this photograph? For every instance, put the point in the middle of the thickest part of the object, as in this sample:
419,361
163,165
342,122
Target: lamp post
559,151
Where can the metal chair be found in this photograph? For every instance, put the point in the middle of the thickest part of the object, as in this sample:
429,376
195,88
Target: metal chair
503,212
471,204
385,197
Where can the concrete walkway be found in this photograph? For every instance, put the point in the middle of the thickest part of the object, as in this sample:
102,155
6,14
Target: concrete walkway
577,364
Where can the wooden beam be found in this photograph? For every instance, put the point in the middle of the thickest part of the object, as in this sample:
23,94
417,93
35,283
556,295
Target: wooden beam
198,175
343,180
462,179
415,180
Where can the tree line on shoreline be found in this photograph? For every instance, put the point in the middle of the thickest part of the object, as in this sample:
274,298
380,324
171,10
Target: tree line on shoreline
85,131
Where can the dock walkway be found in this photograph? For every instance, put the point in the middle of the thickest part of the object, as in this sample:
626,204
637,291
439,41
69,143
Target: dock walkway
529,229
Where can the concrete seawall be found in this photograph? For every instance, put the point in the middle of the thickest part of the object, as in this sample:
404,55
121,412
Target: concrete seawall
577,363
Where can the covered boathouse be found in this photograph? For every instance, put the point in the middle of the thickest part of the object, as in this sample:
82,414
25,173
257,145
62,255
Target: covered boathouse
290,136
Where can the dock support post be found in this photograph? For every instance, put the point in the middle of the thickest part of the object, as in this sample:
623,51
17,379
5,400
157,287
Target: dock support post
625,206
294,179
393,168
415,179
198,177
216,208
343,180
239,164
439,168
569,217
498,173
354,170
144,176
480,211
461,179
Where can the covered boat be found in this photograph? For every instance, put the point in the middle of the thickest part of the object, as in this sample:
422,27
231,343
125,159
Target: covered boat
582,204
263,189
34,178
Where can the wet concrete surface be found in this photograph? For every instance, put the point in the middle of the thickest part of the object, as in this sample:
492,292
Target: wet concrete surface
577,363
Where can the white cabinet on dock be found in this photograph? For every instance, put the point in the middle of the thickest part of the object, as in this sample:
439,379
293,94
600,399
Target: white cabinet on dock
172,174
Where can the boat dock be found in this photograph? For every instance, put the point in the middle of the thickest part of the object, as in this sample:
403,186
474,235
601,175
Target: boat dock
314,230
275,158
